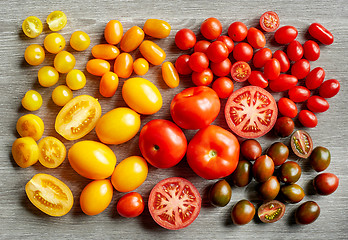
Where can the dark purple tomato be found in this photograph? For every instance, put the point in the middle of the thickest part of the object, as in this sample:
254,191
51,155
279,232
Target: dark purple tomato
300,68
294,51
290,172
279,153
299,94
271,211
329,88
320,158
284,126
287,107
301,143
257,78
263,168
317,104
269,190
220,193
307,212
285,35
283,82
311,50
250,149
242,212
326,183
243,174
292,193
315,78
261,56
308,119
283,60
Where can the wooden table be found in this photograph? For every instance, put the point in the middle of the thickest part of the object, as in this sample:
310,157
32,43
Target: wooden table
20,219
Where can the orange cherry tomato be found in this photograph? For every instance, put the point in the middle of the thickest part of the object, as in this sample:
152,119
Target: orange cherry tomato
108,84
152,52
132,39
141,66
156,28
98,67
170,75
113,32
105,51
52,152
123,66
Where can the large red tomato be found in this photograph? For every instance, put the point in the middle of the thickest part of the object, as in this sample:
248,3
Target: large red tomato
213,152
251,112
195,107
162,143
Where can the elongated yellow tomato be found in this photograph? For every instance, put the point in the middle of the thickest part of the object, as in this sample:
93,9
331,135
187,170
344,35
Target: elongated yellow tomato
129,174
25,151
52,152
157,28
30,125
113,32
49,194
132,39
123,65
152,52
91,159
118,126
96,197
105,51
142,95
170,75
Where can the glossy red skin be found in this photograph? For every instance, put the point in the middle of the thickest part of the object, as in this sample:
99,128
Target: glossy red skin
294,51
257,78
195,108
285,35
329,88
326,183
317,104
162,143
263,168
283,60
227,41
307,118
237,31
315,78
320,33
311,50
213,152
283,82
211,28
185,39
237,67
198,62
221,69
261,56
299,94
271,69
243,52
301,68
130,205
256,38
287,107
217,51
182,65
201,46
203,78
223,86
269,16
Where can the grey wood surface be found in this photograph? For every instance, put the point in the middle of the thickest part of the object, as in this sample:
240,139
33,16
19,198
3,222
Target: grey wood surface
20,219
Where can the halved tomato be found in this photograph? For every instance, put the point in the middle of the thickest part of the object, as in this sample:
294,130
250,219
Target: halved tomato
269,21
240,71
78,117
251,112
52,152
174,203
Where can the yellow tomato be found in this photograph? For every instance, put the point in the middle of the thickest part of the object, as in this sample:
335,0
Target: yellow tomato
141,66
64,62
152,52
80,41
25,151
32,100
123,65
34,54
92,159
96,197
47,76
61,95
113,32
132,39
170,75
129,174
30,125
98,67
56,20
156,28
54,43
75,79
52,152
118,126
108,84
105,51
32,27
142,95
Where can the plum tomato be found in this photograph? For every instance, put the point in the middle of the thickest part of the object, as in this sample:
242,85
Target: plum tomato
317,104
32,100
292,193
261,56
56,20
174,203
52,152
257,78
320,158
307,212
301,143
284,126
220,193
198,62
290,172
201,46
287,107
152,52
308,118
311,50
213,152
203,78
256,38
227,41
221,69
250,149
244,118
130,205
263,168
315,78
25,151
132,38
243,174
294,51
326,183
141,66
34,54
182,65
195,108
243,52
108,84
285,34
283,60
98,67
30,125
105,51
299,94
279,152
113,32
242,212
320,33
217,51
240,71
211,28
185,39
32,26
283,82
170,75
156,28
271,69
162,143
300,69
237,31
269,190
271,211
223,87
329,88
269,21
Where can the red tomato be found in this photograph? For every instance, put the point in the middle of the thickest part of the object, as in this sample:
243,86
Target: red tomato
195,108
201,46
240,71
317,104
223,86
247,120
329,88
243,52
211,28
299,94
307,119
203,78
198,62
182,65
301,68
217,51
256,38
285,35
130,205
185,39
271,69
261,56
257,78
221,69
326,183
213,152
174,203
315,78
311,50
295,51
283,60
287,107
320,33
237,31
269,21
227,41
283,82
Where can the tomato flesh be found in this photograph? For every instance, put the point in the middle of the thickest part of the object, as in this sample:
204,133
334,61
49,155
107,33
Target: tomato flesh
269,21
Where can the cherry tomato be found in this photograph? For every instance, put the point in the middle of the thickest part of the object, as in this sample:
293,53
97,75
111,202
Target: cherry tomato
320,158
75,79
61,95
223,86
269,189
243,52
290,172
198,62
271,211
152,52
54,43
170,75
174,203
221,69
157,28
320,33
301,143
256,38
292,193
141,66
237,31
52,152
272,69
287,107
105,51
123,65
261,56
25,152
311,50
284,126
283,82
80,41
32,26
32,100
263,168
242,175
329,88
130,205
285,35
132,39
279,153
34,54
182,65
283,60
315,78
220,193
30,125
295,51
317,104
211,28
257,78
108,84
307,212
56,20
185,39
203,78
299,94
308,118
301,68
242,212
201,46
240,71
47,76
227,41
269,21
250,149
217,51
326,183
113,32
64,62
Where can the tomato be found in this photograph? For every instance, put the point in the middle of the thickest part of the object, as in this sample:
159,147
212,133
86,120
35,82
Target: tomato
157,28
203,78
25,151
292,193
162,143
152,52
56,20
129,174
242,212
279,153
141,66
271,211
287,107
257,78
283,82
242,175
227,41
32,100
329,88
108,84
315,78
185,39
47,76
64,62
217,51
201,46
92,159
295,51
237,31
220,193
269,21
243,52
285,34
250,149
123,65
195,108
240,71
113,32
320,158
263,168
221,69
261,56
269,189
34,54
123,121
211,28
52,152
80,41
299,94
311,50
105,51
170,75
320,33
30,125
54,43
32,26
271,69
78,117
198,62
61,95
75,79
182,65
284,126
132,39
308,118
98,67
130,205
96,196
301,143
307,212
283,60
256,38
247,120
290,172
49,194
223,86
301,68
326,183
174,203
317,104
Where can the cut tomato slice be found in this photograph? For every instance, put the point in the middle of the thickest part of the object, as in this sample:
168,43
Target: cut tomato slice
251,112
240,71
269,21
52,152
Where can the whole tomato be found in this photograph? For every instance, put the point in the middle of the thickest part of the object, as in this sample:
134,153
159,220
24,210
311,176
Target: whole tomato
237,31
203,78
182,65
185,39
283,82
261,56
285,35
320,33
130,205
256,38
201,46
198,62
257,78
213,152
301,68
223,86
283,60
195,108
217,51
211,28
299,93
329,88
315,78
311,50
227,41
272,69
295,51
243,52
221,69
317,104
308,118
287,107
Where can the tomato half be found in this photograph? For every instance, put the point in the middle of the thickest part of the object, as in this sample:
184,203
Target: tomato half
240,71
269,21
52,152
251,112
174,203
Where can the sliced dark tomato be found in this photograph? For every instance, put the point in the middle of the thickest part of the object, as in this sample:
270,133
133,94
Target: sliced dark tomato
240,71
269,21
272,211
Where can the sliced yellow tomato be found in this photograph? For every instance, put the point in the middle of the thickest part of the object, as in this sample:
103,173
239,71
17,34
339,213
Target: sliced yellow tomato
32,27
30,125
25,151
56,20
52,152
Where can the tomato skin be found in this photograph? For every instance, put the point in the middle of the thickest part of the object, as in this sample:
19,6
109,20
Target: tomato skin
213,152
307,212
141,66
32,100
283,82
195,108
221,69
157,28
98,67
250,149
317,104
287,107
211,28
311,50
284,126
201,46
113,32
61,95
25,151
271,69
223,86
54,43
182,65
152,52
132,39
263,168
257,78
283,60
256,38
269,21
227,41
203,78
170,75
243,52
105,51
320,33
329,88
64,62
242,212
285,35
130,205
326,183
108,84
240,71
261,56
123,65
315,78
299,94
34,54
217,51
79,41
198,62
301,68
30,125
185,39
295,51
237,31
307,118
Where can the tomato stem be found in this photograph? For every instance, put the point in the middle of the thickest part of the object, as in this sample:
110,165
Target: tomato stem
212,153
156,147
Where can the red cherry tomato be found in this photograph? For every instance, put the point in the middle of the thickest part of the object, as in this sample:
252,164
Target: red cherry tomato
295,51
320,33
283,82
271,69
311,50
256,38
217,51
198,62
221,69
329,88
287,107
257,78
301,68
182,65
299,94
203,78
261,56
227,41
240,71
315,78
283,60
130,205
269,21
243,52
211,28
201,46
185,39
237,31
307,119
317,104
213,152
285,35
223,86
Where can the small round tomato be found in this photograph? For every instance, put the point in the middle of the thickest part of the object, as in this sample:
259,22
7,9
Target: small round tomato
80,41
221,69
201,46
284,126
64,62
299,94
290,172
242,212
257,78
317,104
32,26
283,60
211,28
320,33
132,38
329,88
98,67
182,65
294,51
198,62
170,75
307,212
30,125
108,84
269,21
96,197
283,82
237,31
105,51
152,52
243,52
263,168
292,193
240,71
311,50
47,76
123,65
227,41
256,38
32,100
326,183
75,79
141,66
113,32
54,43
300,69
223,86
25,151
287,107
269,189
250,149
285,34
261,56
279,152
174,203
203,78
61,95
130,205
52,152
307,118
320,158
271,211
243,174
217,51
56,20
220,193
185,39
301,143
34,54
315,78
157,28
272,69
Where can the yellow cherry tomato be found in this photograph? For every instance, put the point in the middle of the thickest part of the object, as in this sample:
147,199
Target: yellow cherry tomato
118,126
25,151
142,95
52,152
152,52
96,196
105,51
91,159
54,43
157,28
98,67
80,41
34,54
75,79
64,62
132,39
170,75
108,84
32,100
123,65
141,66
61,95
129,174
32,27
47,76
56,20
113,32
30,125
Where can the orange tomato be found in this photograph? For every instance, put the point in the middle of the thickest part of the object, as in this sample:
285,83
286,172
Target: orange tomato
105,51
98,67
52,152
141,66
132,39
123,65
113,32
152,52
170,75
108,84
156,28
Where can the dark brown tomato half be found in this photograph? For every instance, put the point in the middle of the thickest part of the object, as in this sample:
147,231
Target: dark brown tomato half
271,212
301,143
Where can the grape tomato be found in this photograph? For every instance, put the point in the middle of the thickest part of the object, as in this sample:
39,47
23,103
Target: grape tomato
243,52
299,94
308,118
329,88
283,60
283,82
285,34
256,38
317,104
320,33
257,78
287,107
311,50
261,56
315,78
295,51
300,69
